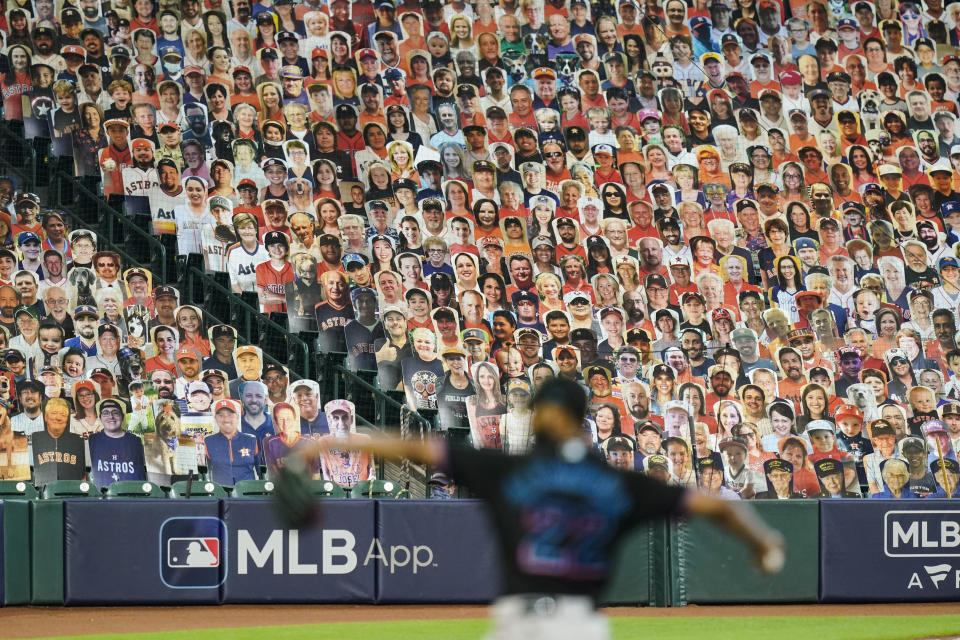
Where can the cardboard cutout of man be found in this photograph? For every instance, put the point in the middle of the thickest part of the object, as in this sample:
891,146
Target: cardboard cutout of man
115,453
58,453
231,454
346,468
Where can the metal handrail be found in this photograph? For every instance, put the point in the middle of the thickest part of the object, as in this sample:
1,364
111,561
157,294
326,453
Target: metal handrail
107,239
381,400
295,345
66,190
110,220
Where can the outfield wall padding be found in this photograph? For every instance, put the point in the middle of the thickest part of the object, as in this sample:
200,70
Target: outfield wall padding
364,551
635,580
890,551
113,551
269,563
436,553
716,568
15,560
83,551
47,550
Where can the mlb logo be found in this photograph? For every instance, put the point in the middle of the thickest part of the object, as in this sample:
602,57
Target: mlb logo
193,552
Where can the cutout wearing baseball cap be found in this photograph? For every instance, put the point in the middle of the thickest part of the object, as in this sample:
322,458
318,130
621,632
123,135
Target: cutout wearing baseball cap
187,353
226,404
827,466
777,464
790,78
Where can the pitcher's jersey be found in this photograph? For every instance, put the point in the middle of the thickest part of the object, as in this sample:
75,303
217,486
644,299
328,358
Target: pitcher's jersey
559,515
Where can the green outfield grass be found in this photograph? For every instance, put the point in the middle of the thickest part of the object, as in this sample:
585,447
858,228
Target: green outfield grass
821,628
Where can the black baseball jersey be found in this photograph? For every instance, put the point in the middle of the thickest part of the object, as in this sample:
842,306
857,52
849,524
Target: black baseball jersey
859,446
360,341
57,458
559,515
331,322
915,422
921,486
389,371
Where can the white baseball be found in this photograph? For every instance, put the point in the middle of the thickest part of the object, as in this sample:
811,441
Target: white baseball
109,164
773,560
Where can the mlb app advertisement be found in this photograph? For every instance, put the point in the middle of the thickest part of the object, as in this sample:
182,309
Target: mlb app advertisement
904,550
210,551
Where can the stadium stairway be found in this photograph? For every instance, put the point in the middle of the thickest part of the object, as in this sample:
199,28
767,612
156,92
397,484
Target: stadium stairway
34,168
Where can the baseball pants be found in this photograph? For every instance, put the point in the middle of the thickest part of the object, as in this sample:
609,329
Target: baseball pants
547,617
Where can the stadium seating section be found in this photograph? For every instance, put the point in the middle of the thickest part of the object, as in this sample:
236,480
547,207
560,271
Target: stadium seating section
229,229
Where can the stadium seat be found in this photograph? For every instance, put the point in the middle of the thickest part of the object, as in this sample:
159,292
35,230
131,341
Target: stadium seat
432,416
133,489
368,376
378,489
168,261
17,489
181,270
59,489
326,369
215,303
310,337
280,317
272,341
42,158
221,278
241,319
194,261
253,489
328,489
397,394
300,358
460,435
115,201
199,489
139,249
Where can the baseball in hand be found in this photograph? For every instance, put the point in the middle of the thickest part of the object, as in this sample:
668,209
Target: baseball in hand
773,559
109,164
